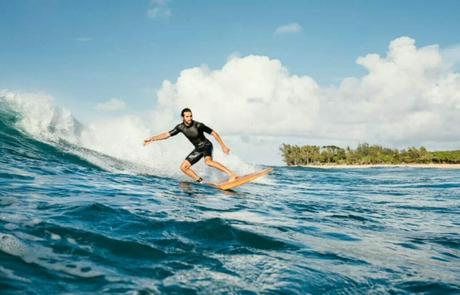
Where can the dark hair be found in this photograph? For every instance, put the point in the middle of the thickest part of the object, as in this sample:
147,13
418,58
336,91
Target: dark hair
185,111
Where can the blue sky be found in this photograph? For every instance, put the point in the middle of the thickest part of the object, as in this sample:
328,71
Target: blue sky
85,52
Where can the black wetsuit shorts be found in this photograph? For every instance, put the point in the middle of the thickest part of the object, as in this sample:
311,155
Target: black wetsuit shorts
204,150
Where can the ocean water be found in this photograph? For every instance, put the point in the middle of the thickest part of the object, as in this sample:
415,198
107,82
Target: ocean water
75,220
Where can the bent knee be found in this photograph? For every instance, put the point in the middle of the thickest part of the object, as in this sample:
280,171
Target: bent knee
185,166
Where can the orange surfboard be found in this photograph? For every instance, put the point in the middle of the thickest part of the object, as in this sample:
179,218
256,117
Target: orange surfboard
243,179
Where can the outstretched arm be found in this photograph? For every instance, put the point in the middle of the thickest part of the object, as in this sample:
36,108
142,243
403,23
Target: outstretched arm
225,149
161,136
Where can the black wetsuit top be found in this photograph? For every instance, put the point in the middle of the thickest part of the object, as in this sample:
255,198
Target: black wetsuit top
194,132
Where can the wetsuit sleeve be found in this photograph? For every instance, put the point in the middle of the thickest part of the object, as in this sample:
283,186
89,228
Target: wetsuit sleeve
204,128
174,131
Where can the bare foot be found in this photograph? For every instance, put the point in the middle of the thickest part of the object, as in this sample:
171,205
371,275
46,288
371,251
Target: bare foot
233,177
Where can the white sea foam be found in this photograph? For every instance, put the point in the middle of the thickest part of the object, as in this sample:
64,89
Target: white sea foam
8,273
113,144
40,255
55,237
11,226
13,246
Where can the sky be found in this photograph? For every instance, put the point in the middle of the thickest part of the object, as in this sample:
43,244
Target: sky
261,72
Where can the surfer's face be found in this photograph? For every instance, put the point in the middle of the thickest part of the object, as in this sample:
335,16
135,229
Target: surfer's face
188,117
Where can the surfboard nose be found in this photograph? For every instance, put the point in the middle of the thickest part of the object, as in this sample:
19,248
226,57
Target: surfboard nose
244,179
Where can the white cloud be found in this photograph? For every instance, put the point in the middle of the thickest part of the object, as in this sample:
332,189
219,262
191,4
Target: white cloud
113,104
452,55
288,29
249,95
408,97
159,8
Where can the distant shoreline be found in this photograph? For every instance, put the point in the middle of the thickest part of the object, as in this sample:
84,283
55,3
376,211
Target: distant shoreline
354,166
331,156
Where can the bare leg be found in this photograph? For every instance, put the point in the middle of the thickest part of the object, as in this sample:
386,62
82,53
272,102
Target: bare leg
185,167
210,162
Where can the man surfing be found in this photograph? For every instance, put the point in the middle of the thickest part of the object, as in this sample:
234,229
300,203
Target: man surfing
194,131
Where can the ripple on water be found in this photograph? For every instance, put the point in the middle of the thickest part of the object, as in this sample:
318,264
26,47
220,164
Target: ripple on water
318,231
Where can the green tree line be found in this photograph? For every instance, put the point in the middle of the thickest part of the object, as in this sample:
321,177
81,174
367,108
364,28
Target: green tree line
364,154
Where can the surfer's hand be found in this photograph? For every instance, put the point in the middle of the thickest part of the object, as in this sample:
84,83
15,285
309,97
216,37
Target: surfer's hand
226,150
147,141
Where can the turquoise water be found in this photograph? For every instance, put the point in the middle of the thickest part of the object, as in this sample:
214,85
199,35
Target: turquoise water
68,226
